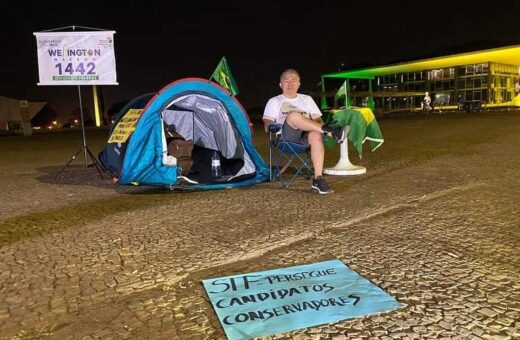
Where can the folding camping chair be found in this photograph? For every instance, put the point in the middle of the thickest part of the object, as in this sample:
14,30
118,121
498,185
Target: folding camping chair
287,155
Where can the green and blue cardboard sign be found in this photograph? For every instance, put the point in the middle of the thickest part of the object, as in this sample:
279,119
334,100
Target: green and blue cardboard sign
280,300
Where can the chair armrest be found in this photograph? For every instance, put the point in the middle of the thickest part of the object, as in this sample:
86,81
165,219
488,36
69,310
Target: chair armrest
275,127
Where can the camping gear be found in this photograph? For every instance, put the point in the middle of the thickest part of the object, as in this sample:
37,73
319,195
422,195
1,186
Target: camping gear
285,155
200,112
182,150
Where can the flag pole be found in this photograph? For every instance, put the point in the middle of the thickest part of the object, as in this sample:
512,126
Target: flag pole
211,76
87,153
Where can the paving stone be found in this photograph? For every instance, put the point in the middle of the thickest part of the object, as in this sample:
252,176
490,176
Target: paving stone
427,226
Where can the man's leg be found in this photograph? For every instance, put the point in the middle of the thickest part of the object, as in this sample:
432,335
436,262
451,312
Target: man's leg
317,152
297,121
315,141
318,183
314,138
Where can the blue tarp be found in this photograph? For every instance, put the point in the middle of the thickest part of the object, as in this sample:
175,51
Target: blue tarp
280,300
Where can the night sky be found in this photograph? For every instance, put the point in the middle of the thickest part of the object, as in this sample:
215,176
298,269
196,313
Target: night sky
159,42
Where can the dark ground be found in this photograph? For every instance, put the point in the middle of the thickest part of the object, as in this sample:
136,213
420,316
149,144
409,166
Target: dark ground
434,222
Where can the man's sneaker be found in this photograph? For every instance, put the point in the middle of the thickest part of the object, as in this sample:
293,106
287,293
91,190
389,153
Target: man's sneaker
338,133
321,186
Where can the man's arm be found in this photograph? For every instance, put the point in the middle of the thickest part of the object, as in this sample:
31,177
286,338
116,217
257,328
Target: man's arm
271,111
312,107
267,122
319,120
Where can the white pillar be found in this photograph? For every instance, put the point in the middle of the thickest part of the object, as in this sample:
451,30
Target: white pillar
344,167
96,105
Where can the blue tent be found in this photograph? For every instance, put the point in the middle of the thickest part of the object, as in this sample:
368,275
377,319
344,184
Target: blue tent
200,112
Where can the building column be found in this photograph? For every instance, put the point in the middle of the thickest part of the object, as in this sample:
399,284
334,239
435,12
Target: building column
371,103
26,121
323,99
348,102
490,86
96,105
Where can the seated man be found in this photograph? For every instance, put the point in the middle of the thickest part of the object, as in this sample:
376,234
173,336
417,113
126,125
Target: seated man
302,124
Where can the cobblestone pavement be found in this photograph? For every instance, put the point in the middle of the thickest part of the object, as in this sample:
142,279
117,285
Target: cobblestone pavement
439,230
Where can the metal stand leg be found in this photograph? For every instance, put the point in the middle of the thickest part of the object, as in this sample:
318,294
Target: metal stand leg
93,159
85,149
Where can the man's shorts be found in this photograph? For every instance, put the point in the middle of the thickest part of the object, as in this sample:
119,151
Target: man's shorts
294,135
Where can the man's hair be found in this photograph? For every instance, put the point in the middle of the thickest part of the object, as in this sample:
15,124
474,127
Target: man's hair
289,71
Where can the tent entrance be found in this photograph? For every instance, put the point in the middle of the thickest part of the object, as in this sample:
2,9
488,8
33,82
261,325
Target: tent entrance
201,168
206,123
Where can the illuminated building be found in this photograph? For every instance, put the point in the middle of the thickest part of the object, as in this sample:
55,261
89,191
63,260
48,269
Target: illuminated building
490,78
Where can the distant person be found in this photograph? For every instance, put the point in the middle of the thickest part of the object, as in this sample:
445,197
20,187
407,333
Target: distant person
302,124
460,103
426,103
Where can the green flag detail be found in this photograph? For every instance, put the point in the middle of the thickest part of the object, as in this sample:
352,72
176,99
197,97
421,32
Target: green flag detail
222,75
363,127
323,103
342,91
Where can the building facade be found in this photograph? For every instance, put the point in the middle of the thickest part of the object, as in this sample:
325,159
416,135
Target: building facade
490,78
494,84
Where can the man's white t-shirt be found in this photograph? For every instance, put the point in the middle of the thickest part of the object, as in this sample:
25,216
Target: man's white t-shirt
278,107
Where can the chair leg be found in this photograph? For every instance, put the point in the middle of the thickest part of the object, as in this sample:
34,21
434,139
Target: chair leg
282,170
270,158
285,157
302,168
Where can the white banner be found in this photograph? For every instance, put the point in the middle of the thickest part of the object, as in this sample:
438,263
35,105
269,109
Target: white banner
76,58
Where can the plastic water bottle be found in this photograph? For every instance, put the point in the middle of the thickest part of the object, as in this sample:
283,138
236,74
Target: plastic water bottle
215,165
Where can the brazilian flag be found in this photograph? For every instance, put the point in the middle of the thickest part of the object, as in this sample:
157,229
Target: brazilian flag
223,76
363,127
